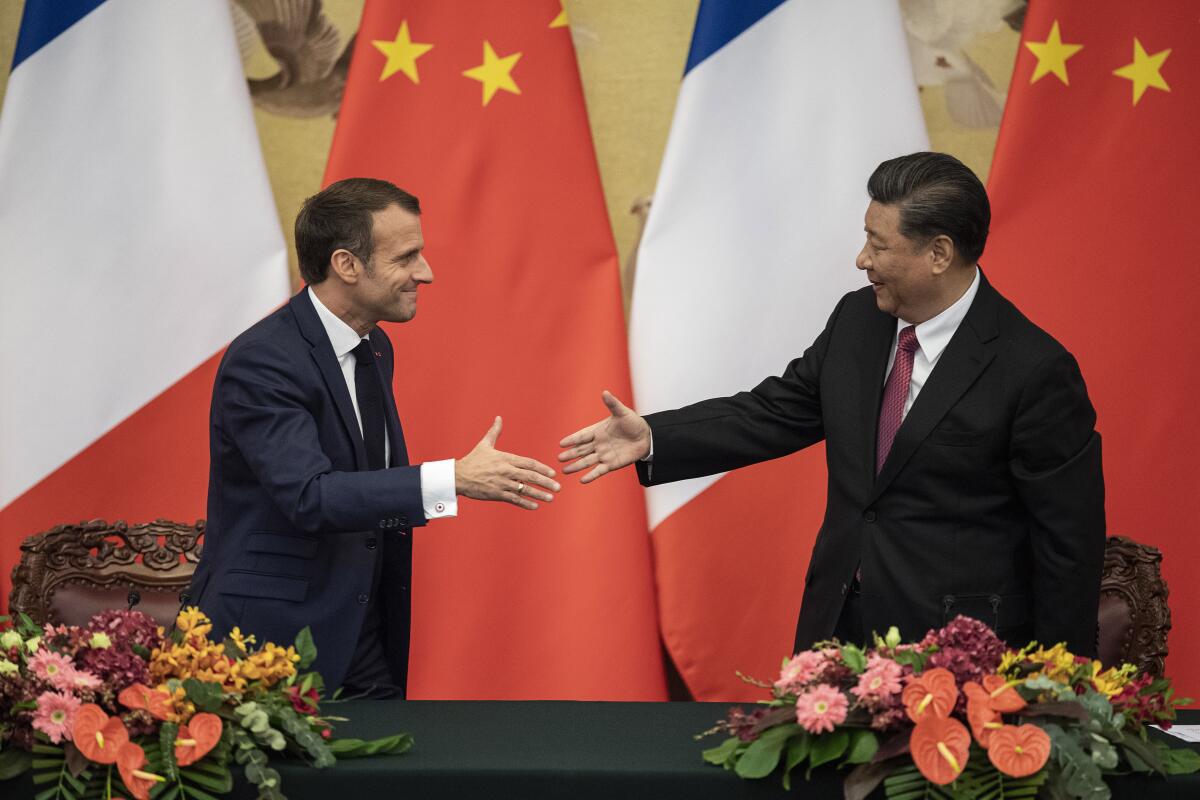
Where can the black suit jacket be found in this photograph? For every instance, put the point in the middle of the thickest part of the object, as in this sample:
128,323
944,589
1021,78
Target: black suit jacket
991,501
296,522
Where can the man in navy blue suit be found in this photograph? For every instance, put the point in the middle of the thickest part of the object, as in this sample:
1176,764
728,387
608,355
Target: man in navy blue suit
312,501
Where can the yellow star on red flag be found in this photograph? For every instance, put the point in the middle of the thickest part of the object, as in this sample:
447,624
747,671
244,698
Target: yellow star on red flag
495,73
402,54
1145,71
1052,56
561,20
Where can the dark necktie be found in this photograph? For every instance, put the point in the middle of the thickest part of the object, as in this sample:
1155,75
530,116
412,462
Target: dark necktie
369,390
895,392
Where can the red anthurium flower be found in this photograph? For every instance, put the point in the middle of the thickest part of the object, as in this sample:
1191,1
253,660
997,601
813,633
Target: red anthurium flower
197,738
932,694
1004,698
940,747
140,696
1019,750
983,718
97,735
130,760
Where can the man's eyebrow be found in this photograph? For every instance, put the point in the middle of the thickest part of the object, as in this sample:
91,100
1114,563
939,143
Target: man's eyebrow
409,253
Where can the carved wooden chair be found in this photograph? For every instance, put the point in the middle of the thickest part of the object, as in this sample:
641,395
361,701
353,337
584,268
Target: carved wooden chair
1134,615
71,572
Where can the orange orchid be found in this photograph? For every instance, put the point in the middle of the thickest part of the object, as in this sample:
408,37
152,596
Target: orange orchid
983,718
1004,698
130,760
140,696
1019,750
97,735
934,693
197,738
940,747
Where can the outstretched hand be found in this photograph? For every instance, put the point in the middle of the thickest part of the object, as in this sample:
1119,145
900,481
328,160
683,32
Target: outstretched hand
614,442
486,473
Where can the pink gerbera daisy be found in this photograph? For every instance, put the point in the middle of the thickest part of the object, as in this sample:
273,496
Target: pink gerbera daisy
821,708
55,715
881,680
54,668
799,670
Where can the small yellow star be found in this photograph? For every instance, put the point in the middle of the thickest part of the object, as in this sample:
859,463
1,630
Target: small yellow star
1144,71
1052,56
561,20
494,73
402,54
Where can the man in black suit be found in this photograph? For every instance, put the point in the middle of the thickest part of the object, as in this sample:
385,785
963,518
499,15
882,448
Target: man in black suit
964,466
312,501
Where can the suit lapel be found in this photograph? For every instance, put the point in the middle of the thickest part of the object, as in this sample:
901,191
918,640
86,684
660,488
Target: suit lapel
399,456
965,358
331,370
875,347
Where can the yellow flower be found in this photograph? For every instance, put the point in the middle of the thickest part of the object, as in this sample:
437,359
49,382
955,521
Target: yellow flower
9,639
192,621
1113,680
7,667
100,641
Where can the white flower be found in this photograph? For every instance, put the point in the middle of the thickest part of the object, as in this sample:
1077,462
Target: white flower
10,638
7,667
100,641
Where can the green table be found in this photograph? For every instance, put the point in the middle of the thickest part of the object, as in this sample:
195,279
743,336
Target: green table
530,750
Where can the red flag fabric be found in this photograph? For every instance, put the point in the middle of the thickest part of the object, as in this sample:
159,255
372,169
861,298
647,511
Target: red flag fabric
1092,186
477,108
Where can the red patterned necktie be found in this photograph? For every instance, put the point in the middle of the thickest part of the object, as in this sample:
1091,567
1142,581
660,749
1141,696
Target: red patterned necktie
895,392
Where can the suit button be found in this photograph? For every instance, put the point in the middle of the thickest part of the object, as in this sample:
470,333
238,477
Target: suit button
371,543
363,598
845,588
403,521
869,515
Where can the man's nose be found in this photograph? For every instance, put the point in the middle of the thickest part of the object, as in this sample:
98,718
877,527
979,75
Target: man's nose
862,262
425,273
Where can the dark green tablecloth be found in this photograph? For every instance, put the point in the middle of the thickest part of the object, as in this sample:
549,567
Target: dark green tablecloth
563,750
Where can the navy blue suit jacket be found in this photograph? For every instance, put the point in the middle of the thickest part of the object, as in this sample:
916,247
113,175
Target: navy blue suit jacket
296,522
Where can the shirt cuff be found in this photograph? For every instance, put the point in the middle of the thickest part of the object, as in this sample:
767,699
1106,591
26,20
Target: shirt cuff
649,457
437,489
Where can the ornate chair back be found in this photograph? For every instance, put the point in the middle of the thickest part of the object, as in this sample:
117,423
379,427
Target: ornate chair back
71,572
1134,616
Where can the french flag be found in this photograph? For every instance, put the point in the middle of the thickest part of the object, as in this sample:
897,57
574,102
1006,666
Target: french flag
138,236
785,109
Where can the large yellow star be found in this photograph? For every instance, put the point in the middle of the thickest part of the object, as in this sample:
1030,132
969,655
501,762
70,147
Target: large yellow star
402,54
561,20
1144,71
495,73
1052,56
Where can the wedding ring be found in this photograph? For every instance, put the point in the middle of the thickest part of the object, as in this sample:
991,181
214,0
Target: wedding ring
520,488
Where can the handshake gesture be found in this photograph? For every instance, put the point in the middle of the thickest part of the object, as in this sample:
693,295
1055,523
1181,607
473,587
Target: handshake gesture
616,441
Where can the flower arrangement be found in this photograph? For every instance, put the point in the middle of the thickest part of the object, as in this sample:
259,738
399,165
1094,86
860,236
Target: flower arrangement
955,715
120,707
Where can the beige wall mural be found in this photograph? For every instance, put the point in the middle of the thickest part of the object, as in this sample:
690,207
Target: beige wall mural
631,57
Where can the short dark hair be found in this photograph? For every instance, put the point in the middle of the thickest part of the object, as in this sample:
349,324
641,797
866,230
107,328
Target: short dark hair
937,194
339,218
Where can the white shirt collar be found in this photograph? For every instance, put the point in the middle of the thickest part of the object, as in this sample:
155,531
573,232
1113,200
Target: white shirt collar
341,336
934,334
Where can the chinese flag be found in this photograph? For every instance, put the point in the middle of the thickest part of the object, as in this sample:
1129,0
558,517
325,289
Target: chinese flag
476,108
1094,191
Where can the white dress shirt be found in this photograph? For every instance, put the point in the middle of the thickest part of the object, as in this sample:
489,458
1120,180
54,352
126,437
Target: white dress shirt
932,337
437,477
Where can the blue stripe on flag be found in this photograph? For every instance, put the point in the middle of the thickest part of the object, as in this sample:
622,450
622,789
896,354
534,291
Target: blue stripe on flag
44,20
720,21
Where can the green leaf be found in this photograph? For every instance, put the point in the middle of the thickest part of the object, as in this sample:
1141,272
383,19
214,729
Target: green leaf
206,696
864,779
797,750
1148,754
306,685
14,762
714,755
305,647
357,748
761,757
169,793
863,746
197,794
1081,775
1181,761
47,763
222,784
167,735
46,794
854,658
826,748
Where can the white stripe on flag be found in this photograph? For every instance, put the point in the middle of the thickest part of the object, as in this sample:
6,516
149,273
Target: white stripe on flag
137,226
757,216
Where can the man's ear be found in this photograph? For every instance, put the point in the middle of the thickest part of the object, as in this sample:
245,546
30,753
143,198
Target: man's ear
941,253
343,265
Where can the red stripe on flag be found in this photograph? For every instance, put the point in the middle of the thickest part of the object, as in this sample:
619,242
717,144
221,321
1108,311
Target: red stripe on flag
153,464
730,569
